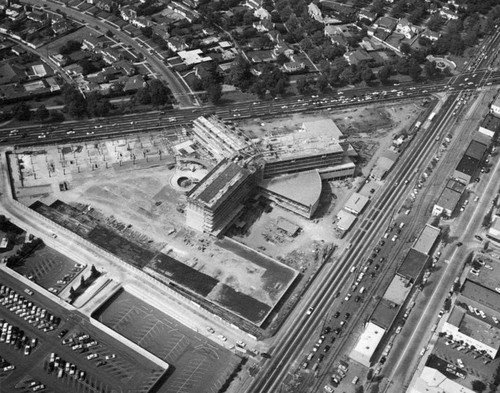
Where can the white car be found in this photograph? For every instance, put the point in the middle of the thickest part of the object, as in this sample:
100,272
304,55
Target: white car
223,338
310,310
92,356
394,238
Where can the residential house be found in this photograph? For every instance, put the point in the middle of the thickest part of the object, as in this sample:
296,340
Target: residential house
293,67
133,83
357,56
282,48
260,56
37,16
275,36
315,12
61,26
176,44
368,15
431,35
141,22
128,12
126,66
110,55
406,28
262,14
161,31
386,23
105,5
191,3
91,43
229,54
339,40
254,4
18,50
449,15
264,25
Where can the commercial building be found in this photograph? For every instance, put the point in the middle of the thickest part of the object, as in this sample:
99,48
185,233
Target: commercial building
489,126
385,313
412,266
478,296
426,240
220,139
466,169
476,150
283,191
434,381
495,106
218,198
448,200
494,229
398,290
287,169
356,203
473,330
367,344
318,145
345,220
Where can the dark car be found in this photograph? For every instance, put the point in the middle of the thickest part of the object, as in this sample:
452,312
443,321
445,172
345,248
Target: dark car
327,330
265,355
336,315
321,357
369,262
327,347
377,266
382,242
383,359
478,238
62,333
347,315
337,331
382,259
357,299
459,244
372,275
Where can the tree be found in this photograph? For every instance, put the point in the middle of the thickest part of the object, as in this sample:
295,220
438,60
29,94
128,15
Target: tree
214,92
240,74
94,272
359,389
303,86
82,281
478,386
75,103
384,73
322,83
281,59
42,113
22,111
147,31
259,89
435,22
405,48
414,70
430,69
160,94
69,47
97,105
367,74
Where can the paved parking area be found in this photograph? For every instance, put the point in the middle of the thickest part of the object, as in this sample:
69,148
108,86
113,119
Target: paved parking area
125,372
198,364
47,266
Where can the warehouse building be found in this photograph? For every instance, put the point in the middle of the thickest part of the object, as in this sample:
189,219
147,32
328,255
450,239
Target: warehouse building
413,265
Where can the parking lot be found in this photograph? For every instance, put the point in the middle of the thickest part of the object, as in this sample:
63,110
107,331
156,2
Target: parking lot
88,361
49,269
199,364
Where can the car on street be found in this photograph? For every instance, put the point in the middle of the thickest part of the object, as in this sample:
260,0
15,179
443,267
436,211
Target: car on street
477,237
309,310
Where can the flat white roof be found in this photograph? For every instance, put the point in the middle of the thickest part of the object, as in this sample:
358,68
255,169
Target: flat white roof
367,344
356,203
345,220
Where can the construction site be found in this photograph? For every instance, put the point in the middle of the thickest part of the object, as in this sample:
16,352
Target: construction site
141,191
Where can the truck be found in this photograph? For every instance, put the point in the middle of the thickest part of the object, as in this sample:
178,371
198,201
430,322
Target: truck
432,115
418,124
